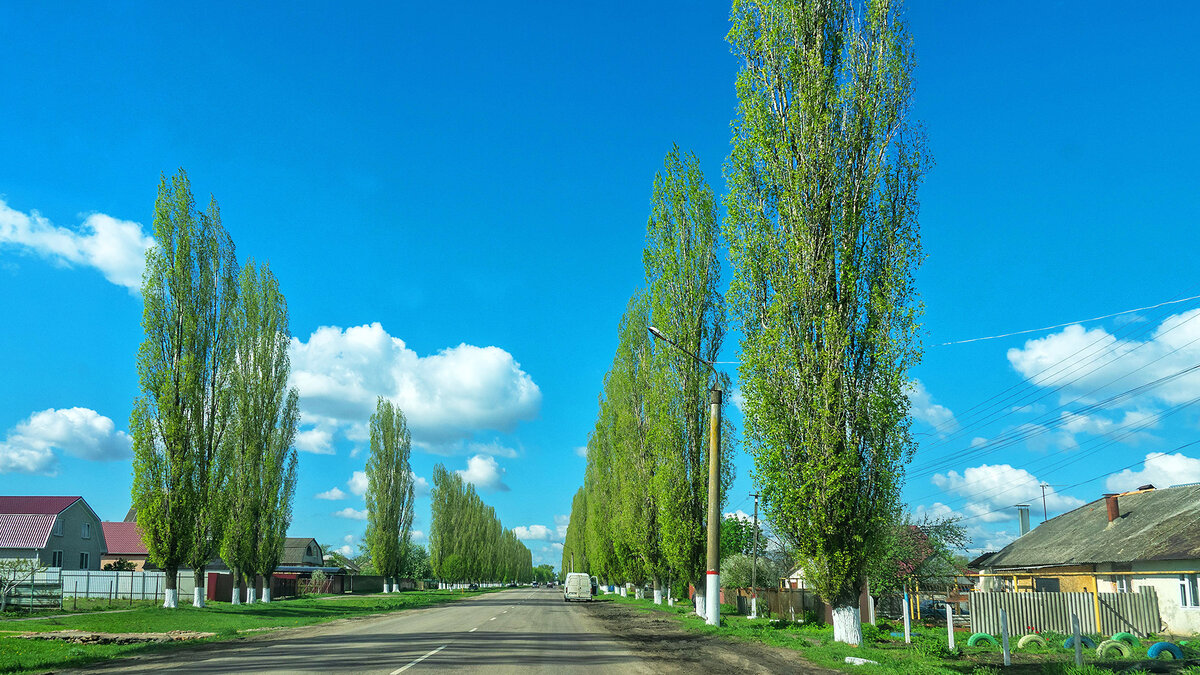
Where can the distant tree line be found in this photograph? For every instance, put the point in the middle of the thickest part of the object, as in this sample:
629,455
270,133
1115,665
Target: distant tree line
467,543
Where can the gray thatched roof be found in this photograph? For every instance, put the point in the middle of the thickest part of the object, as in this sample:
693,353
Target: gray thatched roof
1153,525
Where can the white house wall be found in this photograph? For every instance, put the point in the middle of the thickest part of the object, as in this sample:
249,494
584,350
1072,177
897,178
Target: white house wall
1179,620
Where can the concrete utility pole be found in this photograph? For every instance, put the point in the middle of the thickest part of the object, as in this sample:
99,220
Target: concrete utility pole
754,568
712,608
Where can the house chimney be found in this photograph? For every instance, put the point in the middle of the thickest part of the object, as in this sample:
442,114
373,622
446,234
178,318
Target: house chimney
1023,517
1114,512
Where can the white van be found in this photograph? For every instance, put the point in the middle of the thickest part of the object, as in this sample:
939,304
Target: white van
577,587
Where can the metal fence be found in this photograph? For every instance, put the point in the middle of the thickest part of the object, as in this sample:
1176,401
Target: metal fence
1135,613
115,585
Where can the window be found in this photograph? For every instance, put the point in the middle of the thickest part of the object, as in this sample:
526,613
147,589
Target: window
58,527
1122,584
87,531
1188,593
56,559
84,561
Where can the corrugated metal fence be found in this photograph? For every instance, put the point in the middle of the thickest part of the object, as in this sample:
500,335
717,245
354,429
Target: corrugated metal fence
1037,612
113,585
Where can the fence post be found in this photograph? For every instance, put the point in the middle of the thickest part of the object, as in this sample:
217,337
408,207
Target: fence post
1078,640
907,619
950,626
1004,637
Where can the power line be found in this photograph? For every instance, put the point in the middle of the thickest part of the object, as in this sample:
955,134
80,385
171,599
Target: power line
1069,323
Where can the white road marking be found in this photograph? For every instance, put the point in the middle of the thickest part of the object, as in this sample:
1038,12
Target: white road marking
473,629
492,619
401,670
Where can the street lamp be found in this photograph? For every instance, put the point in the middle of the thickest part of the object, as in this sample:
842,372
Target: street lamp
713,577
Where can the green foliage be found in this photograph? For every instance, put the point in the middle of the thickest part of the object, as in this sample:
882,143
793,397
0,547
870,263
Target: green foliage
189,293
737,536
924,552
258,452
575,542
120,565
735,571
823,239
467,541
390,489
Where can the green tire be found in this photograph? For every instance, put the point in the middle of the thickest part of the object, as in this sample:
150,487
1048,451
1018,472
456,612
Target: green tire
981,637
1128,638
1031,639
1106,649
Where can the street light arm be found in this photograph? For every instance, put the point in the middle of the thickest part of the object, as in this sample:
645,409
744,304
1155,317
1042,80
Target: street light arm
659,334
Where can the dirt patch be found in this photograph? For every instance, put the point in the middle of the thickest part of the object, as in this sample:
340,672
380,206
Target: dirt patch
667,647
82,637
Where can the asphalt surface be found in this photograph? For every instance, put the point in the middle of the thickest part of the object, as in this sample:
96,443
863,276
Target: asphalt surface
517,630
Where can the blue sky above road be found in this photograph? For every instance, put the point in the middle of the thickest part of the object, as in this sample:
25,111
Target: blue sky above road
454,201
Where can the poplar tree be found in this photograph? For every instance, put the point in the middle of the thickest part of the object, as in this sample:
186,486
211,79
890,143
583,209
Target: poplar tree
574,544
189,293
260,453
683,280
823,238
390,490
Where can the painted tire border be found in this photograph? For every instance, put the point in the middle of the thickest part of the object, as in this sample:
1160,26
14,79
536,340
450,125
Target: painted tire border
1031,639
1158,648
1108,645
981,637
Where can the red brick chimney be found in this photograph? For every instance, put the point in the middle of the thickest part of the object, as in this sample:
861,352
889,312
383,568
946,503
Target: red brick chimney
1110,500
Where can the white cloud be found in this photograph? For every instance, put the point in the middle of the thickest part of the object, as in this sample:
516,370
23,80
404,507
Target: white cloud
79,432
333,494
358,483
117,248
484,473
447,397
534,532
556,546
420,486
318,441
740,515
922,408
1160,470
1081,360
345,550
581,451
560,525
990,491
352,514
418,536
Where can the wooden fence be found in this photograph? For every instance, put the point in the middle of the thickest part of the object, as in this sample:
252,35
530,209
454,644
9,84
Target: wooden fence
1135,613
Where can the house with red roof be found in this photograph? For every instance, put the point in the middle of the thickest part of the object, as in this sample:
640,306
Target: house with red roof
62,532
124,543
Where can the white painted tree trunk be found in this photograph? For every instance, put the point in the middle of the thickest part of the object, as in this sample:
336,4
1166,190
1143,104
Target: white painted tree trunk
639,593
624,592
266,594
198,597
171,598
847,626
658,596
700,604
237,595
251,595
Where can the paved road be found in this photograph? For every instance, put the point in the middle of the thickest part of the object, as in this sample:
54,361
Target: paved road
518,630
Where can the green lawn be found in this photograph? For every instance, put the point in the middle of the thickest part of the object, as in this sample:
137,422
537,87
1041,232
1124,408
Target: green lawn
928,654
222,618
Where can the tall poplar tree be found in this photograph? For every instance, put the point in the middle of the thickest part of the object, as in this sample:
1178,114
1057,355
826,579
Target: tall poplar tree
189,293
390,490
823,238
683,279
260,456
574,544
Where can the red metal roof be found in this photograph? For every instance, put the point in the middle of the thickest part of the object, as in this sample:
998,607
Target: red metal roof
50,505
25,530
123,539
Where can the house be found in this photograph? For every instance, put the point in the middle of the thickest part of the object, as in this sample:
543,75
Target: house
124,543
1121,543
60,532
302,552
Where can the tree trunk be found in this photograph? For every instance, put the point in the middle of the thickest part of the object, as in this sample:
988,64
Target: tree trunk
237,586
198,589
847,625
170,592
699,600
657,592
266,586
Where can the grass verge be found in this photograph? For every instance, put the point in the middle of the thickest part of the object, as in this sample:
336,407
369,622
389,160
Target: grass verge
927,655
226,620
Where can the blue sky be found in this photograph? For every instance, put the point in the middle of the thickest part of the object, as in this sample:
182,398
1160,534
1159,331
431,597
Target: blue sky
454,200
